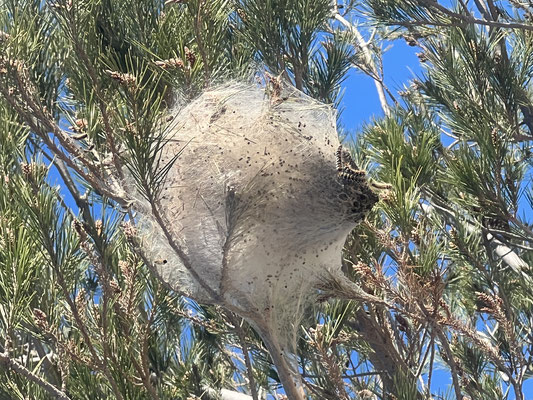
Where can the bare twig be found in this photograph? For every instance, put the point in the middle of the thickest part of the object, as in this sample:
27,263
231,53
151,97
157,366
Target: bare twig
482,7
9,363
364,46
288,373
431,362
165,227
452,362
199,41
244,347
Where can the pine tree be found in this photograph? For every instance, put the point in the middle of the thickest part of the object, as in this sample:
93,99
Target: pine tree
444,258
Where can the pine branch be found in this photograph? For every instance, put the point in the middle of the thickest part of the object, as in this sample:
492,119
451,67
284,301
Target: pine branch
41,122
109,134
505,253
165,225
458,20
102,365
11,364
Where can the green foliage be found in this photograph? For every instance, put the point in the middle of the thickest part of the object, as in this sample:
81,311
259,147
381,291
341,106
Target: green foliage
84,88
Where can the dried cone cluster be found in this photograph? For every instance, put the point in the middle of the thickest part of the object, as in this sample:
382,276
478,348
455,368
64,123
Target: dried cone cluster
122,78
170,63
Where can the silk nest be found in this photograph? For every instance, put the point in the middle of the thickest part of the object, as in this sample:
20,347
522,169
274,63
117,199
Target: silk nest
256,202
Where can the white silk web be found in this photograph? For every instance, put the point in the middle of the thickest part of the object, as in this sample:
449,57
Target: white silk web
255,202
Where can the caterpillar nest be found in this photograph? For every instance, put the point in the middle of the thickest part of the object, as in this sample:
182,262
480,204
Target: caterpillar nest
260,201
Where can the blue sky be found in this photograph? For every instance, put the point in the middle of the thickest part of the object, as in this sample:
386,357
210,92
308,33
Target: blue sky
360,101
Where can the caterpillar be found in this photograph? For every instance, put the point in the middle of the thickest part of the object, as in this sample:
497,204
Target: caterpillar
347,169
